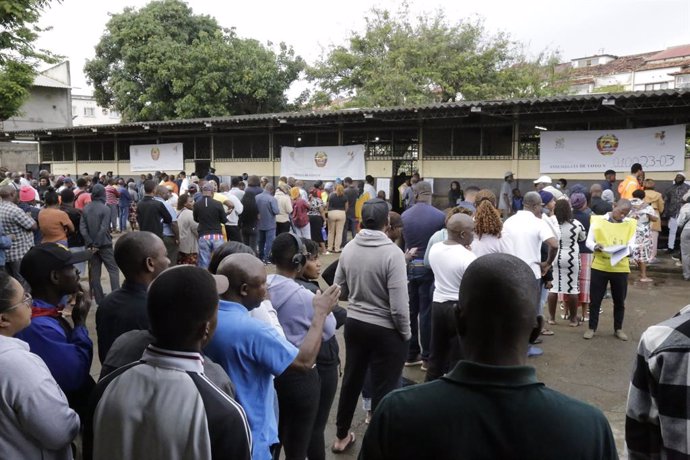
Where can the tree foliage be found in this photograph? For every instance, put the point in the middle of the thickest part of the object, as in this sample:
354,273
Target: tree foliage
164,62
19,57
398,61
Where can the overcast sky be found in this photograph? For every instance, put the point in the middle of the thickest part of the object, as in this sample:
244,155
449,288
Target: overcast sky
575,28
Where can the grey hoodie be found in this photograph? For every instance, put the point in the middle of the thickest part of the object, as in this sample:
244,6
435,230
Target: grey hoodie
372,273
35,418
95,221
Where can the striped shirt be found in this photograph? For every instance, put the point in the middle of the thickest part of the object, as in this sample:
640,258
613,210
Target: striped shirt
657,421
164,407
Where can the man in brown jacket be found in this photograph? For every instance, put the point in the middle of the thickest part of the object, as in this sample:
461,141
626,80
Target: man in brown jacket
656,200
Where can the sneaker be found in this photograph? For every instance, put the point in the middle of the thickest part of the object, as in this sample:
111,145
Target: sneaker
675,257
414,361
589,333
621,335
425,366
533,351
678,264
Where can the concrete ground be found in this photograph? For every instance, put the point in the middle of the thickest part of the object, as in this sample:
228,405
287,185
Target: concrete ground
596,371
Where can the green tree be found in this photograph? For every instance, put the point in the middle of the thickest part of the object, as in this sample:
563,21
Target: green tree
164,62
401,61
19,57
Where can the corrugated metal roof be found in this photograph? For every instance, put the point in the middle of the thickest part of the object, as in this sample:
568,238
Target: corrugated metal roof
336,115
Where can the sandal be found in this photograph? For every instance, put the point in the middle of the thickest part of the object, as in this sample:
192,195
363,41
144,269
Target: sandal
552,322
347,447
575,324
546,332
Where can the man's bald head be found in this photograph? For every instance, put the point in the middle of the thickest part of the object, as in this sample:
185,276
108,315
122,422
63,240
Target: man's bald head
269,188
247,277
460,228
595,190
162,191
141,256
532,202
621,210
497,309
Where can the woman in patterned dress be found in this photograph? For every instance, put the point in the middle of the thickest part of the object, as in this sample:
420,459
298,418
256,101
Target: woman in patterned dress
644,245
566,266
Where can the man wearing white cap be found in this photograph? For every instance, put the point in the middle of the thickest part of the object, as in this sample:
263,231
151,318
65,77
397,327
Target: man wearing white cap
505,197
544,183
673,198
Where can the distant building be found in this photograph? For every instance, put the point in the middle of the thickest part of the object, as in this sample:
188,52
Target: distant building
652,71
50,103
85,111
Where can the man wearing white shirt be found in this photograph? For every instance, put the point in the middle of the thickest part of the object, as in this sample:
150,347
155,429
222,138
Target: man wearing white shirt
449,260
232,226
523,234
235,187
369,186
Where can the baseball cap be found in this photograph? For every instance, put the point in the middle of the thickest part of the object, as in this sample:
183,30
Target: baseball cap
546,197
681,173
374,214
46,257
508,174
543,180
26,193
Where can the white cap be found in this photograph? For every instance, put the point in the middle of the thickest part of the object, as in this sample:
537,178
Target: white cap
543,180
508,174
682,174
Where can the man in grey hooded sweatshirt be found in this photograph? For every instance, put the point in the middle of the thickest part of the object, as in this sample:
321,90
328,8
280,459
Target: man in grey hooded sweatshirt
95,228
372,274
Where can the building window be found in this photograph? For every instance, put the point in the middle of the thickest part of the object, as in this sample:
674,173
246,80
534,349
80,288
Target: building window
90,112
114,114
683,81
656,86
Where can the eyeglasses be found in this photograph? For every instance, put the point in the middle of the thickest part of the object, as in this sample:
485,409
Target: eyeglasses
27,301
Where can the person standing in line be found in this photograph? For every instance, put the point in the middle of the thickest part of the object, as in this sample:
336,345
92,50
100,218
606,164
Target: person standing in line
164,406
94,228
66,348
300,216
20,227
631,182
449,260
317,217
123,205
609,180
505,196
583,214
267,206
598,205
613,229
142,257
210,215
134,199
351,224
54,223
566,268
455,194
171,231
75,242
35,418
645,215
523,235
112,200
250,215
233,212
420,222
336,212
282,196
490,405
188,228
371,271
253,353
82,197
369,186
683,220
151,213
673,197
487,226
656,201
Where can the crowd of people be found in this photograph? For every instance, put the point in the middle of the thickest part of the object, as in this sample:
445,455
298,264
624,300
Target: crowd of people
204,354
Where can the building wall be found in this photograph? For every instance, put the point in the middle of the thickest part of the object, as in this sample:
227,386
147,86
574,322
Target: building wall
86,111
15,157
46,108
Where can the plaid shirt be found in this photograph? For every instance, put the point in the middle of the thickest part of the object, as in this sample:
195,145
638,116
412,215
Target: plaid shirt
658,415
18,224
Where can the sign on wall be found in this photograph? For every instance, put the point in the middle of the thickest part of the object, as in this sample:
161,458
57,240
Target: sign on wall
325,163
656,149
156,157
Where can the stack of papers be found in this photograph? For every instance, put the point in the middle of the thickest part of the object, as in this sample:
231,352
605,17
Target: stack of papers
618,252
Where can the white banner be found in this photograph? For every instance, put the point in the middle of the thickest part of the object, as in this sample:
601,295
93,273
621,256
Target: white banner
156,157
656,149
325,163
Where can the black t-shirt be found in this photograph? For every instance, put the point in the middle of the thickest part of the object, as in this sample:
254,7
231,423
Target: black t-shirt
210,214
337,203
351,193
74,240
151,214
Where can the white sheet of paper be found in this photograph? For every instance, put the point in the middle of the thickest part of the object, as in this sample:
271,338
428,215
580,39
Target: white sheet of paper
617,252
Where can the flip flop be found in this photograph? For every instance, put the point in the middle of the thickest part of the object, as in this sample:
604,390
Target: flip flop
347,447
546,332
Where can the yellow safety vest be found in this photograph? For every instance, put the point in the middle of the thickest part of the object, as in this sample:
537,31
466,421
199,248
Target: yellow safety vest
611,234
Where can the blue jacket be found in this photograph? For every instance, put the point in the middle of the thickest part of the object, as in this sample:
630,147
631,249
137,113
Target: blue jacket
268,209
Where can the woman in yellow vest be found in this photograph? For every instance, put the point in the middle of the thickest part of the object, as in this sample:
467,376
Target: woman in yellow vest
611,237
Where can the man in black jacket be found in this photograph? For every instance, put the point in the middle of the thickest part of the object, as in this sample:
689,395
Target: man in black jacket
151,213
211,216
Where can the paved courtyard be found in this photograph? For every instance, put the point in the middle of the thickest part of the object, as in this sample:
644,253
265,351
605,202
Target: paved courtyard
596,371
